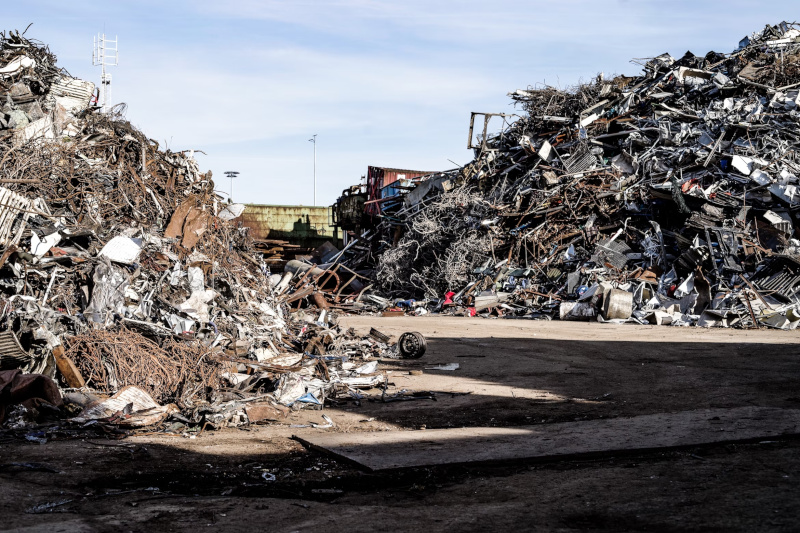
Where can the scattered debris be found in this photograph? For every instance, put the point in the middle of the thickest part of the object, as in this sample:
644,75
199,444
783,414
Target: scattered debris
448,366
30,391
131,407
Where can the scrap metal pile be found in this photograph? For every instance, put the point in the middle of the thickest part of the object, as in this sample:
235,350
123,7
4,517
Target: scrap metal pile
667,198
121,272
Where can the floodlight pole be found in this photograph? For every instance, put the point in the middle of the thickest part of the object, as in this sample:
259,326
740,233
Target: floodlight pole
313,139
231,174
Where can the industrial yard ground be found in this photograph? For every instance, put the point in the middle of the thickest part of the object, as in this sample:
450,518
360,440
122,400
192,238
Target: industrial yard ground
511,373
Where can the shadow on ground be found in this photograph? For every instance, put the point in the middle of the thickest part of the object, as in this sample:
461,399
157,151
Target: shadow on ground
154,486
517,381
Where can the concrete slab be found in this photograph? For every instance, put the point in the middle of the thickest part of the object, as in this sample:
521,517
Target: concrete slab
404,449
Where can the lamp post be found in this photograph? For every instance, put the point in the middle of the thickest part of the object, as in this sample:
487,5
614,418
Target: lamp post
231,174
313,139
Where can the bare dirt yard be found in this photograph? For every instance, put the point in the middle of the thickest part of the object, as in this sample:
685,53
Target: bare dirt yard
511,373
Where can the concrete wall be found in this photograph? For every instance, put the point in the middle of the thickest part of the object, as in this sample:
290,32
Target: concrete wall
299,224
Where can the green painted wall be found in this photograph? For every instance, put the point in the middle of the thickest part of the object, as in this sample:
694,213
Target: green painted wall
299,224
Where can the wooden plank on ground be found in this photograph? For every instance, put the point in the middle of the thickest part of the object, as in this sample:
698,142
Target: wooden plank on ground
388,450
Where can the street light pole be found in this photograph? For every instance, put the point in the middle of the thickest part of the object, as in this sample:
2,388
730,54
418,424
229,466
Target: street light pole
231,174
313,139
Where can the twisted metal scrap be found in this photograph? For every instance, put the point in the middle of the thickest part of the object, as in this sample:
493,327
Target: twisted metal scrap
441,247
175,372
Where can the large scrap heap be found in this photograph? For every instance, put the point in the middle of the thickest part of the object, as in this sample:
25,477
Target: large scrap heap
669,197
120,267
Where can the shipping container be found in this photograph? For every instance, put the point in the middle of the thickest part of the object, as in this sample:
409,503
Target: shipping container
380,177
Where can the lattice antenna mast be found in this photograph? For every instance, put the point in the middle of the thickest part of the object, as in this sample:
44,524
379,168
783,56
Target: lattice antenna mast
105,54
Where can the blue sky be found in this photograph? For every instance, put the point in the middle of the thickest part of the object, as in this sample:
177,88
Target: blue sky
387,83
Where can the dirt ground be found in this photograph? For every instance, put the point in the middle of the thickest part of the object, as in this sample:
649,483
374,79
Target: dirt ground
511,372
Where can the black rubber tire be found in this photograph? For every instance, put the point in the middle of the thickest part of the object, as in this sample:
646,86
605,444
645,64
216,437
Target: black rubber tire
412,345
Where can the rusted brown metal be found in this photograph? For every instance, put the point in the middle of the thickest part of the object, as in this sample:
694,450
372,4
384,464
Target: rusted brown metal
265,411
319,300
69,371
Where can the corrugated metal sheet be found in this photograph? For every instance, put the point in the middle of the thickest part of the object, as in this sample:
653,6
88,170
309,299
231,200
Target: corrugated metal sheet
11,353
14,212
72,93
287,222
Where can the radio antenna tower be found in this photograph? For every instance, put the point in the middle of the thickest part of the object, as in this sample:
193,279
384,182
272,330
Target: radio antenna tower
105,54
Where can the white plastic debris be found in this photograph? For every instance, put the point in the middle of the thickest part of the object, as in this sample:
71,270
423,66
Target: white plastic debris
742,164
39,247
122,250
16,65
231,211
